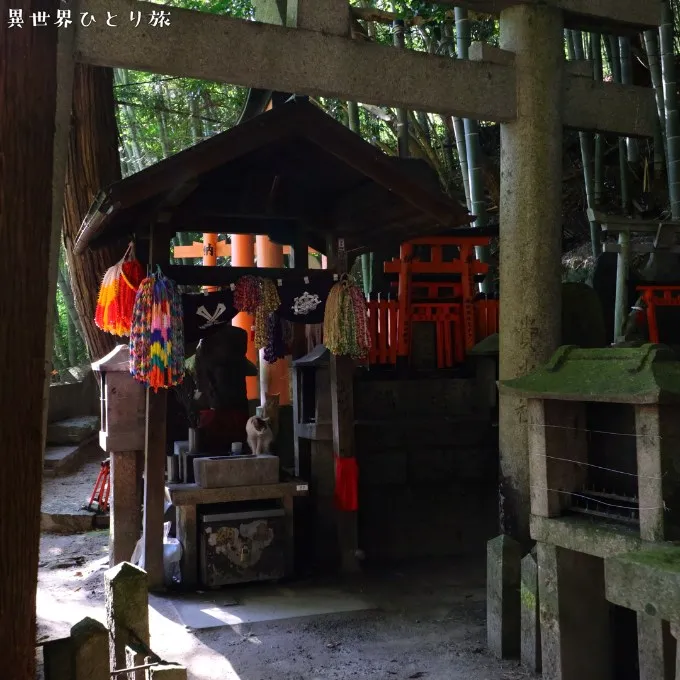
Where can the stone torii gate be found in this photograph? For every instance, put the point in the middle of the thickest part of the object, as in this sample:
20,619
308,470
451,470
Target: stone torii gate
526,85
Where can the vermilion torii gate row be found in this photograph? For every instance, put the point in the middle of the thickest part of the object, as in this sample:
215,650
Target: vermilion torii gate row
526,86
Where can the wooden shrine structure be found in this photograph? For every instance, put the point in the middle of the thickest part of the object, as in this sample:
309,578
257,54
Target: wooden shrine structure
306,47
296,175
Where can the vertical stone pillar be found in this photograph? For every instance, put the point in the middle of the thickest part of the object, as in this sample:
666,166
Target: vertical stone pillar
575,622
243,255
675,632
126,505
90,641
655,648
530,652
503,558
127,610
530,231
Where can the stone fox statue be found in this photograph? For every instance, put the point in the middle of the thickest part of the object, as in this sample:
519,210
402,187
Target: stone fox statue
259,435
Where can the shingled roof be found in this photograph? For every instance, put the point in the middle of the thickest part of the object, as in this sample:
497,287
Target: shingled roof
293,167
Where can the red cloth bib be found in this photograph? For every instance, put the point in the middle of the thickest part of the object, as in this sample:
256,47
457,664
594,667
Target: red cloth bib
346,484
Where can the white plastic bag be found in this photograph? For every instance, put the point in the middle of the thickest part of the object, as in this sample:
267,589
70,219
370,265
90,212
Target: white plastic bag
172,554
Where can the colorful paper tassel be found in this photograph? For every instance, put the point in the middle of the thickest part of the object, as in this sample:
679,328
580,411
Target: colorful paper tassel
157,334
117,295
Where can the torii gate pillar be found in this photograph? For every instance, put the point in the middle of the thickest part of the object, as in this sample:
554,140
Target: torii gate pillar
531,231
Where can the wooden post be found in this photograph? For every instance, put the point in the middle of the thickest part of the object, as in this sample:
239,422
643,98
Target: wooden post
127,611
299,260
243,255
155,454
342,409
35,81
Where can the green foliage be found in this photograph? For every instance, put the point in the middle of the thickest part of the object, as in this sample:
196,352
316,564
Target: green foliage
69,348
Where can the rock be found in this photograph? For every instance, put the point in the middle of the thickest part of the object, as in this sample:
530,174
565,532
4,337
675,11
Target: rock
72,430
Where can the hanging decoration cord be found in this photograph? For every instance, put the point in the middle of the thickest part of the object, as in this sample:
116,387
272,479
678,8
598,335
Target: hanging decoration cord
269,303
345,330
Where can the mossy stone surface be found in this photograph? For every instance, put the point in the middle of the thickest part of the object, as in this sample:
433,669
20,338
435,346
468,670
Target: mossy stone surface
635,375
646,581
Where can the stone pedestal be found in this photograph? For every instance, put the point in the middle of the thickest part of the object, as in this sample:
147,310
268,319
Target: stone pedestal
648,582
575,624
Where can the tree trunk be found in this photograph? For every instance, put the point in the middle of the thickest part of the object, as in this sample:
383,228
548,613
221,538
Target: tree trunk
28,90
92,164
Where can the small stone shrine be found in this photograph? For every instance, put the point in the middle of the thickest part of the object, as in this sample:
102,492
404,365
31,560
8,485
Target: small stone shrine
603,433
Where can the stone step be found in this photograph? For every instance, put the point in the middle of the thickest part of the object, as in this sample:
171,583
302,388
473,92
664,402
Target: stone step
72,431
72,523
61,460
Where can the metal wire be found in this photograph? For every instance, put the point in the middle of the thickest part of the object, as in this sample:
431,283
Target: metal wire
585,429
599,502
597,467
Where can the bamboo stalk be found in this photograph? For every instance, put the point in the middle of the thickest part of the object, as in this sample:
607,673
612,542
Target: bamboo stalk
459,131
654,63
598,179
402,114
615,66
586,142
627,79
570,44
354,124
671,108
577,44
471,127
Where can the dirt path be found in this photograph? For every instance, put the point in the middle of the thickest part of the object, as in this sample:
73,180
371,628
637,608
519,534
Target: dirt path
428,623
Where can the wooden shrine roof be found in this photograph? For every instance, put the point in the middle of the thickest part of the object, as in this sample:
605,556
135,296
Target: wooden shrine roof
293,167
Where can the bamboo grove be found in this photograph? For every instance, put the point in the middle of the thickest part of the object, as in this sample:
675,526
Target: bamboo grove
158,116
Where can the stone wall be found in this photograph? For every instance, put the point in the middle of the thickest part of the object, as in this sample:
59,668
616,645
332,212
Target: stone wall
68,400
428,462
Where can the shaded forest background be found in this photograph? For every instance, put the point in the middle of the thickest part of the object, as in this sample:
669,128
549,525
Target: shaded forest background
125,121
